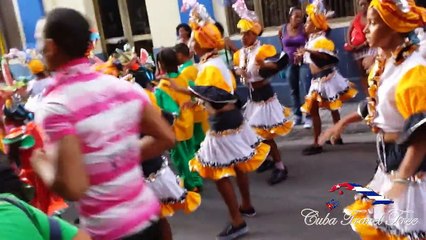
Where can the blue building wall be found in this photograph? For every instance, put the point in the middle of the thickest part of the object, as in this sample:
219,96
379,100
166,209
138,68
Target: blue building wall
184,16
347,67
30,12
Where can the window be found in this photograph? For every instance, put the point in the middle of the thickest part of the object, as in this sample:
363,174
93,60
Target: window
274,13
123,20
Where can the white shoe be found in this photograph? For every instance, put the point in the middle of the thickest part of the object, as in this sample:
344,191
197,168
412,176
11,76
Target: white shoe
308,123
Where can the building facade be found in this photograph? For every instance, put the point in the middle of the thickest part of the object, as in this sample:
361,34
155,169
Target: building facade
151,24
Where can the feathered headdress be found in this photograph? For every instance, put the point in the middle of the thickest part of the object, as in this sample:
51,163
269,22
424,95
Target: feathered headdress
249,20
318,14
205,32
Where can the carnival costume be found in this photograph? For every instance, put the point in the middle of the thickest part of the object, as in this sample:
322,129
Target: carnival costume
328,87
165,184
263,111
172,101
157,173
396,111
23,137
230,144
201,124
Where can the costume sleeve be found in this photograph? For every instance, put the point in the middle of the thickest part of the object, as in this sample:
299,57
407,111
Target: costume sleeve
236,58
411,103
266,51
165,101
212,76
191,73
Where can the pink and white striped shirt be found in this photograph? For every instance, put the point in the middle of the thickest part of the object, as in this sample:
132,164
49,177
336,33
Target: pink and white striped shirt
105,115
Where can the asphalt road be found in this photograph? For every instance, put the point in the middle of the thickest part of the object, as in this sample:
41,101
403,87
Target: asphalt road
279,207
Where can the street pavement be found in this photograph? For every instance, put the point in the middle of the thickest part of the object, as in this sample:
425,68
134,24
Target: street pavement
279,207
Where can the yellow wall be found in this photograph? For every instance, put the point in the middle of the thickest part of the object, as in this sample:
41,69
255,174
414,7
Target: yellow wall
163,18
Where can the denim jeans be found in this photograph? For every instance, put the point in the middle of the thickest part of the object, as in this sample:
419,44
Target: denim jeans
298,76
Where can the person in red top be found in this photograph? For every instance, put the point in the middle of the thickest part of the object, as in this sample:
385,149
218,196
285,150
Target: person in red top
23,136
357,43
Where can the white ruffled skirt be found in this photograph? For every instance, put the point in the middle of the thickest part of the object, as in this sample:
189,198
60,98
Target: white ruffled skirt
329,93
399,218
221,153
169,189
268,118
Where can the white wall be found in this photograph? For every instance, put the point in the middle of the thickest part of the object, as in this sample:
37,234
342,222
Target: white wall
84,6
163,18
220,14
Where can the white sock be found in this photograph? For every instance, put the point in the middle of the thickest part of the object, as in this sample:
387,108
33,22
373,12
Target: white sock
279,165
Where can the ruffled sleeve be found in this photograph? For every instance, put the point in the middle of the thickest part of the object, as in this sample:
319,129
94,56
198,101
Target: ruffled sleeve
411,103
266,51
165,100
212,76
190,73
236,58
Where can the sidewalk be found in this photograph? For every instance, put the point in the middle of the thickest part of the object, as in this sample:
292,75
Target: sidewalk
299,132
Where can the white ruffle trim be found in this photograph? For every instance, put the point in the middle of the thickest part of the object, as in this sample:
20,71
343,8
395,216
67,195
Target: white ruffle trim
331,89
166,186
410,206
267,114
230,148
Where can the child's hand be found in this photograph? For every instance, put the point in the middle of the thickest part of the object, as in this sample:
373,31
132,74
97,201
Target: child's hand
43,166
331,133
260,63
188,105
298,56
172,83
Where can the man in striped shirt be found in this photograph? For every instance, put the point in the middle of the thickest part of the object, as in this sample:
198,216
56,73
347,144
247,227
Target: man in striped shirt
91,124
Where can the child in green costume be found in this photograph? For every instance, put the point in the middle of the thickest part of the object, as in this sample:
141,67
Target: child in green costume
177,103
190,72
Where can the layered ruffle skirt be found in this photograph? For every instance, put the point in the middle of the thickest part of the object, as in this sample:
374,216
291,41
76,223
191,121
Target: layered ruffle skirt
405,218
230,145
265,114
330,92
169,189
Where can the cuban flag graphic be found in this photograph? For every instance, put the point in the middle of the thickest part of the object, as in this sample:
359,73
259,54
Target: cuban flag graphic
370,194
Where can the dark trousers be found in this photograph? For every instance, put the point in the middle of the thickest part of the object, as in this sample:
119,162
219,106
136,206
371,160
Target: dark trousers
298,75
151,233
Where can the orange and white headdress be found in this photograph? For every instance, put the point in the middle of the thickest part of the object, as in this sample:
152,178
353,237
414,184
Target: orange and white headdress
318,14
249,20
203,26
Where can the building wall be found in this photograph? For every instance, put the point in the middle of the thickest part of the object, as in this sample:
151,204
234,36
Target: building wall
165,36
85,7
10,24
30,12
163,18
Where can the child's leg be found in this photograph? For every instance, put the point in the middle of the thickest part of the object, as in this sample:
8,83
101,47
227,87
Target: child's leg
336,117
166,231
225,188
316,120
244,187
275,153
